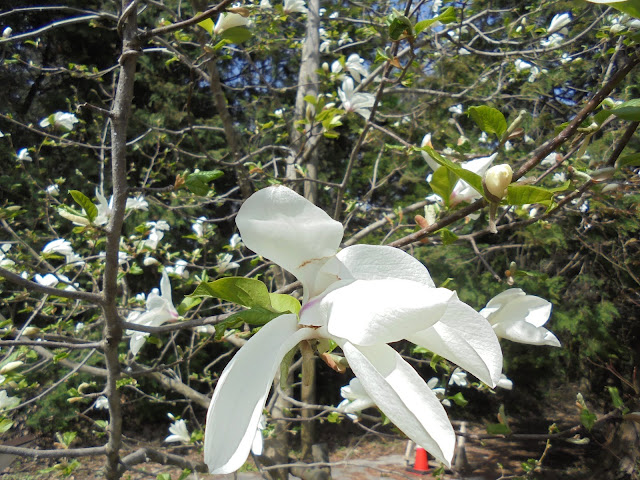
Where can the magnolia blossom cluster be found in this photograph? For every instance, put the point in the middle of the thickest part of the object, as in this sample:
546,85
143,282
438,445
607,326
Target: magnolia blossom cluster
362,298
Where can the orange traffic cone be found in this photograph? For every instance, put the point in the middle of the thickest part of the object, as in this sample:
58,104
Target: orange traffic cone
421,465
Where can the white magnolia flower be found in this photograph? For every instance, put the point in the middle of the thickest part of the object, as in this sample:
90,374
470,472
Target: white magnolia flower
228,20
459,378
137,203
534,73
102,403
150,261
354,65
439,391
559,177
63,120
362,298
554,40
559,21
550,160
49,280
519,317
265,4
360,103
160,309
456,109
521,65
6,33
53,190
235,240
105,209
225,262
10,366
122,257
60,246
179,432
504,382
7,402
199,226
483,138
355,400
156,233
291,6
23,155
179,269
4,261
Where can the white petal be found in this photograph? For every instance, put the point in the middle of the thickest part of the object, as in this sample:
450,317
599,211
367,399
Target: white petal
286,228
165,287
257,444
403,397
367,312
241,392
464,337
377,262
137,341
524,332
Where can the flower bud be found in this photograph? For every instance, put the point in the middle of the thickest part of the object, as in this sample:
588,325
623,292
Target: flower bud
496,181
31,332
10,366
325,67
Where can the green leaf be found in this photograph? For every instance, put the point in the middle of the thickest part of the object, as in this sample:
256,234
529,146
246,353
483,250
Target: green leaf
601,116
163,476
587,419
447,236
459,400
628,110
629,161
284,367
334,417
207,24
448,16
188,303
489,119
87,205
442,182
526,194
198,182
398,24
615,397
471,178
243,291
498,429
284,303
185,474
237,34
630,7
5,424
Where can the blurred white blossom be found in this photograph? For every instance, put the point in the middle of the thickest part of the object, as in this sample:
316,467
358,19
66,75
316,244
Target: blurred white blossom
63,120
291,6
23,155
